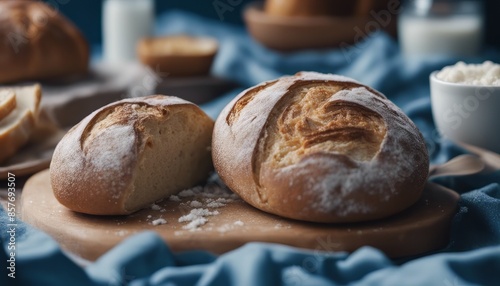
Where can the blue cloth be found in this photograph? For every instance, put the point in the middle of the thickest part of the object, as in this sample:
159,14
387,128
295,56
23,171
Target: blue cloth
471,258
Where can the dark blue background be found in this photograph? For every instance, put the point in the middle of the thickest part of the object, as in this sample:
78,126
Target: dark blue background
87,14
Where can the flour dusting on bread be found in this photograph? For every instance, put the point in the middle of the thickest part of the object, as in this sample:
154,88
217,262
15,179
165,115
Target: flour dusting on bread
320,148
129,154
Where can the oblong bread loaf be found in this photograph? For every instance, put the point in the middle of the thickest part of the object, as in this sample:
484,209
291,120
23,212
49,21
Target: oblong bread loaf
129,154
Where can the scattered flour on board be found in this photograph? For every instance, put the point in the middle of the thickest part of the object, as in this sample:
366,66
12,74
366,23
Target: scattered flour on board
195,224
195,204
280,226
227,227
121,232
196,218
159,221
204,200
174,198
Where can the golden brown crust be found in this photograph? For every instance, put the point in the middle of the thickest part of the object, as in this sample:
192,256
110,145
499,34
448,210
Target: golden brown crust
178,55
96,166
320,148
39,43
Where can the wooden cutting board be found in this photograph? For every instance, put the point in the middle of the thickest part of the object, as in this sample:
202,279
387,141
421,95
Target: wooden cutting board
422,228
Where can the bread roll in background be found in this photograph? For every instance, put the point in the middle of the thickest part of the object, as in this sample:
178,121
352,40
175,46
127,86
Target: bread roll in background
179,55
320,148
38,43
129,154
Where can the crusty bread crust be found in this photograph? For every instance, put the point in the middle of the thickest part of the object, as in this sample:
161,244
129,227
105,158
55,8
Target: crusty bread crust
320,148
7,102
38,43
178,55
102,166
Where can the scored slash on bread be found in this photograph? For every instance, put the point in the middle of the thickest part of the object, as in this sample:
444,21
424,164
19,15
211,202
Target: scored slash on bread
321,148
7,102
16,128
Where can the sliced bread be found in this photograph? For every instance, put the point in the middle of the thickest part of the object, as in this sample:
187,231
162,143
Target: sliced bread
7,102
16,128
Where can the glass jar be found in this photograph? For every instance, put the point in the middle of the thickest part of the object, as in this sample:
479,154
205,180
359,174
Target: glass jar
441,27
125,22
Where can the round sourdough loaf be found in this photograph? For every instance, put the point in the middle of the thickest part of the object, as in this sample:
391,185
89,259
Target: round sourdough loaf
39,43
129,154
320,148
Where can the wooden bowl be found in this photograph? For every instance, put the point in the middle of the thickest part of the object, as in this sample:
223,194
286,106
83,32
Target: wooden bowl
311,8
301,8
290,33
178,55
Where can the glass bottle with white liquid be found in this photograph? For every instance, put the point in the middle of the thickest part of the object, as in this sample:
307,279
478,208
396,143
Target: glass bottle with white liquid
125,22
441,27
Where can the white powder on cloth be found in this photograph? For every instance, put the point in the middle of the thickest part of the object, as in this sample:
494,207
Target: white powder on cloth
487,73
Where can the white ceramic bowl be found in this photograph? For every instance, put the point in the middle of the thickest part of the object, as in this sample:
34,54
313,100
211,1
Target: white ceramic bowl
467,113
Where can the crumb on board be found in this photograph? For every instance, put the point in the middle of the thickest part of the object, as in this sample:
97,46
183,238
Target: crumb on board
174,198
196,218
195,204
121,232
159,221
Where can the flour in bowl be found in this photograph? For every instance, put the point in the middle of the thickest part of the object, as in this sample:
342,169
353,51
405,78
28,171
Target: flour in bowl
487,73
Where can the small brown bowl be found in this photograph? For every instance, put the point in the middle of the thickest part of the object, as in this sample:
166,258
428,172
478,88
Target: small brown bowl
284,33
178,55
301,8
